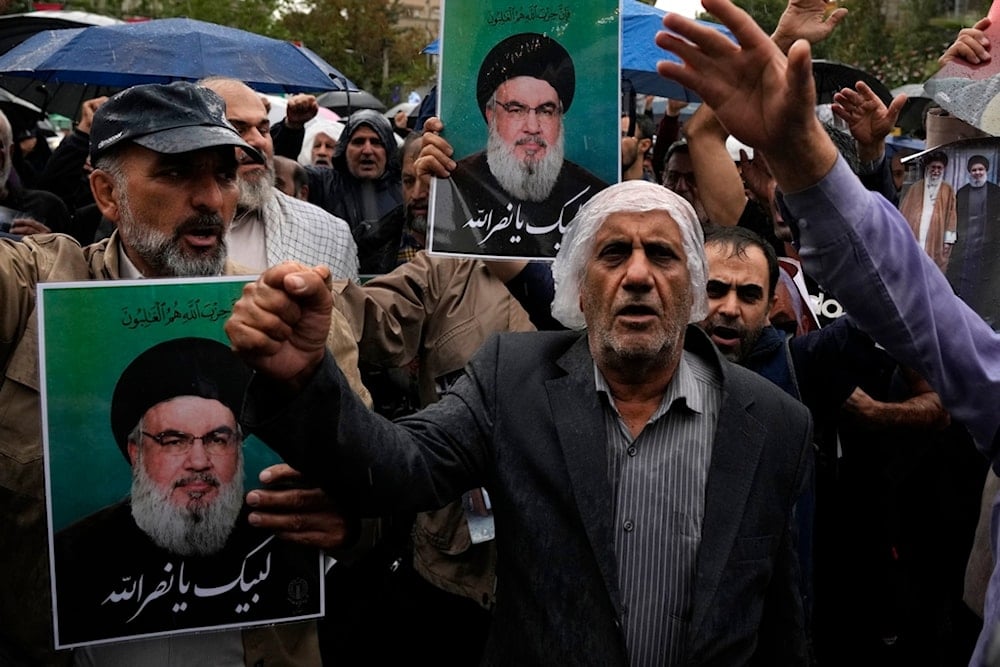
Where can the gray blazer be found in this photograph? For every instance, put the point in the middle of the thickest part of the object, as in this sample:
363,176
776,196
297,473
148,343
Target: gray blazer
526,423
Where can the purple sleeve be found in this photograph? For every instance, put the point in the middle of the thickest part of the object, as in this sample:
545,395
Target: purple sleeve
859,247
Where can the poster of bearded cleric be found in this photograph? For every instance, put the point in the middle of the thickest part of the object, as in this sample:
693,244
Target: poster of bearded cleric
147,465
537,135
953,207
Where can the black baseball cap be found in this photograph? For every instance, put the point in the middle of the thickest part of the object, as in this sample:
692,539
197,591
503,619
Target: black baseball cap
167,118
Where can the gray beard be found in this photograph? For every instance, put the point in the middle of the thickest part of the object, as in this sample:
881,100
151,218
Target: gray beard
530,180
198,529
255,192
977,182
416,223
164,253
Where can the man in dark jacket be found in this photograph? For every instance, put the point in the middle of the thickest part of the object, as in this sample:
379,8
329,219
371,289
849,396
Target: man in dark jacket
364,183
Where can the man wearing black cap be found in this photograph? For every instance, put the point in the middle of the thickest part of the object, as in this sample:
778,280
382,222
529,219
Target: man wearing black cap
166,558
165,173
516,197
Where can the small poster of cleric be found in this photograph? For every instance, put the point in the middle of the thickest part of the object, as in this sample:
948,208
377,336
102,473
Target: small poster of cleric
954,211
529,95
146,462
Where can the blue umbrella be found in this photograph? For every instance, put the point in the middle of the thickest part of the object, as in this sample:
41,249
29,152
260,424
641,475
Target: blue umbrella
99,59
640,23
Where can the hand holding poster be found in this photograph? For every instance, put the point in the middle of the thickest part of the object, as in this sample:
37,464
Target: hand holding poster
540,135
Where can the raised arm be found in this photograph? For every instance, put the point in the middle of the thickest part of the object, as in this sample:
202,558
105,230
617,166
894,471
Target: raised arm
868,118
719,181
811,20
972,45
763,98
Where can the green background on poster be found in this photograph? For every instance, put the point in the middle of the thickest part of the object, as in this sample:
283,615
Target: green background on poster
90,333
588,30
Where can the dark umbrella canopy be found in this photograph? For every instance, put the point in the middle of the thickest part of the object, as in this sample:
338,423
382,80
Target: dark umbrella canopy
15,28
101,59
344,102
831,77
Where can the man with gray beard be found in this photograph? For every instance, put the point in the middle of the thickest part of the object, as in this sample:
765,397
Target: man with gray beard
173,416
271,227
165,174
518,196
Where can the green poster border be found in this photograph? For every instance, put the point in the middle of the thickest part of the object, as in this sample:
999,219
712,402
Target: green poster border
590,31
88,333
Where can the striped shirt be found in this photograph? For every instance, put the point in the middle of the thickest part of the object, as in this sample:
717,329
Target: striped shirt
658,483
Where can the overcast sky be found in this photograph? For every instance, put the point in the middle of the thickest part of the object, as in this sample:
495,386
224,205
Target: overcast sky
683,7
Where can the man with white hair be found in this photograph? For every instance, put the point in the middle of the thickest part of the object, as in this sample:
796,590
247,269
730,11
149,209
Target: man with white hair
642,485
516,197
320,141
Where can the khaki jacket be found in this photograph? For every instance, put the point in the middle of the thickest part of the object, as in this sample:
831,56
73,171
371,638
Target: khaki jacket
26,604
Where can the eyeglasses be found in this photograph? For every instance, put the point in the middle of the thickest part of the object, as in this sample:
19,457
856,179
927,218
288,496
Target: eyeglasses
518,111
673,178
179,442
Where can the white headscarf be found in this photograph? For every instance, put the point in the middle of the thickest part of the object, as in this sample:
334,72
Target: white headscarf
578,243
316,126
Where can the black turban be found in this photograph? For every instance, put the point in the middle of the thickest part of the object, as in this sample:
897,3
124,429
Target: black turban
179,367
527,54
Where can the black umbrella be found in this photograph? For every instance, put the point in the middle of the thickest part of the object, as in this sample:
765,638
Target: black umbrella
832,77
99,58
343,102
15,28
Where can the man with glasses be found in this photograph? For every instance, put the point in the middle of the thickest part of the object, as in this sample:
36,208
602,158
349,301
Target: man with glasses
166,558
516,197
678,175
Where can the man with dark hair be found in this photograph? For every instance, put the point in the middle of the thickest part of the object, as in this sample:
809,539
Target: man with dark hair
678,175
929,206
517,196
290,177
363,183
174,417
635,145
972,269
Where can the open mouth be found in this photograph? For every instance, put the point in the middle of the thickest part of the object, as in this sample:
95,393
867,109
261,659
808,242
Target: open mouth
726,336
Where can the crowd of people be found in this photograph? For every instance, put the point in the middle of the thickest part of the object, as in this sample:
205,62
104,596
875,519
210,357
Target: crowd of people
649,451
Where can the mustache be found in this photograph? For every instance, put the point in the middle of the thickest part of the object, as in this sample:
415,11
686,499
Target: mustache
208,224
202,477
538,141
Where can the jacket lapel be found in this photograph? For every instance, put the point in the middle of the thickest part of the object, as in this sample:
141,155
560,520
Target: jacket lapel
579,422
736,452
